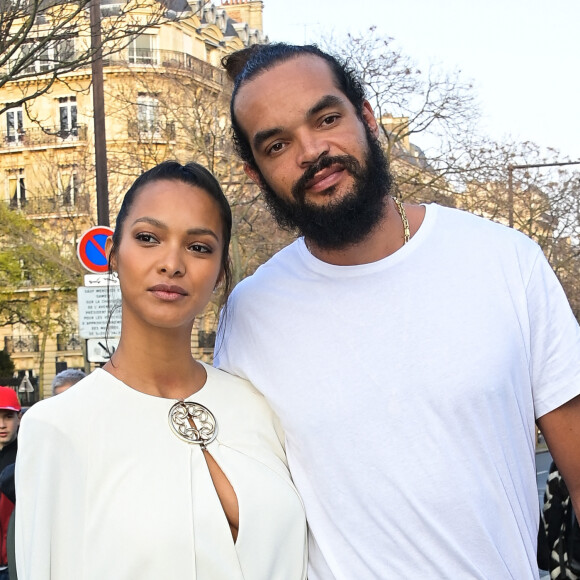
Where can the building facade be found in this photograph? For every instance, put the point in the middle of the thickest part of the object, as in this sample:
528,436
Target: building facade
164,93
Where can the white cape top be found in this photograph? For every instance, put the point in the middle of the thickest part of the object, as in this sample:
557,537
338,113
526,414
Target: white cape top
106,490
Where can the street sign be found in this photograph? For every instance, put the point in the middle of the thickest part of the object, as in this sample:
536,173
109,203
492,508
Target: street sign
25,385
99,311
91,249
101,279
100,350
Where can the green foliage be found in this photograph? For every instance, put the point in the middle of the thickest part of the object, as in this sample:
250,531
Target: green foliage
33,263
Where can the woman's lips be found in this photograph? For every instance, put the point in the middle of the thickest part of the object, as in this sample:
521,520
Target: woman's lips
167,292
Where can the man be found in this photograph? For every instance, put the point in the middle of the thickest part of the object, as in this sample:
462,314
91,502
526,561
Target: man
408,350
66,379
9,422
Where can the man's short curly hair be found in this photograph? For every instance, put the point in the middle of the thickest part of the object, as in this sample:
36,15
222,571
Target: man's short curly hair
243,65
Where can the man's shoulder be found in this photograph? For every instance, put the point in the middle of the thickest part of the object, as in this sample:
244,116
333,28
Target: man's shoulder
242,396
281,265
464,225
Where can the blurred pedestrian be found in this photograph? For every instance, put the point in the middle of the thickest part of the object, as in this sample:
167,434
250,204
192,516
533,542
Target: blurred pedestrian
66,379
10,410
559,533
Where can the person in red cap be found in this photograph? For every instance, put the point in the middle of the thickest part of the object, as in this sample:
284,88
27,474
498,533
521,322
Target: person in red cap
9,422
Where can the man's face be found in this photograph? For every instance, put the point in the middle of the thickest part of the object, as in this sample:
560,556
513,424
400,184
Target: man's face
63,388
9,421
319,164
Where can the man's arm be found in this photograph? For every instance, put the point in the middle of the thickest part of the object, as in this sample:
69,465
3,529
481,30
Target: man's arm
561,428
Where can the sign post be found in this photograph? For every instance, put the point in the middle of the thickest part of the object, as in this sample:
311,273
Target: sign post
99,301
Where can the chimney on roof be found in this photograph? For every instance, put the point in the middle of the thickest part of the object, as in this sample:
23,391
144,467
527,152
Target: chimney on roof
249,11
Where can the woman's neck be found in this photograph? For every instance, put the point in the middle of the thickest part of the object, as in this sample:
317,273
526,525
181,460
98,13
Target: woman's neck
157,362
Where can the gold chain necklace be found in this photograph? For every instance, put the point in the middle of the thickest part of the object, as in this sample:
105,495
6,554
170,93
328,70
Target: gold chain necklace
403,214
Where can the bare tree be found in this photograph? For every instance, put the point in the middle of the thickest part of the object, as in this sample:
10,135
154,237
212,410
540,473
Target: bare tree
437,108
545,202
41,41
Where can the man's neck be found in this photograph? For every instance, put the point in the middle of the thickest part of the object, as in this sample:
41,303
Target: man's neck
385,239
6,445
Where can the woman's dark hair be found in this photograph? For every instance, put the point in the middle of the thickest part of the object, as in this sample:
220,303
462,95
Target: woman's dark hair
191,174
245,64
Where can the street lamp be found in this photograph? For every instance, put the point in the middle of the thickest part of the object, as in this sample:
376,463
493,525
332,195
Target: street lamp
511,184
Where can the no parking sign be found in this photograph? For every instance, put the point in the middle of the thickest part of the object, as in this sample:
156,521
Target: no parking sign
91,249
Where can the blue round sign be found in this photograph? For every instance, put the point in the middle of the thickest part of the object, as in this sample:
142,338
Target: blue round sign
91,249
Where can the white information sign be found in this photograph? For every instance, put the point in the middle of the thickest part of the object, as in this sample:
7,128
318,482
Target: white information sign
99,350
99,311
100,279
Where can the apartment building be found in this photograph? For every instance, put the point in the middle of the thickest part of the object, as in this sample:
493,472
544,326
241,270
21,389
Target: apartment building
164,96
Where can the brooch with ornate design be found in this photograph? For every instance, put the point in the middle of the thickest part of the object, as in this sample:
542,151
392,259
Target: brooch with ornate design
193,423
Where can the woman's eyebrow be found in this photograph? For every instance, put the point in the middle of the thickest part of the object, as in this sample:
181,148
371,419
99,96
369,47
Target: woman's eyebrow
191,231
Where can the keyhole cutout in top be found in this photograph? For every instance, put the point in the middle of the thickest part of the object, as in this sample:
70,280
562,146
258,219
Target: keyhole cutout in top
224,489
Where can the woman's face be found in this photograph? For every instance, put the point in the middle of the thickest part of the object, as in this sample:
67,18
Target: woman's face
169,254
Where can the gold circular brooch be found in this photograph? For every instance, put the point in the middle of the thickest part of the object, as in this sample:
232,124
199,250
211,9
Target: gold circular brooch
193,423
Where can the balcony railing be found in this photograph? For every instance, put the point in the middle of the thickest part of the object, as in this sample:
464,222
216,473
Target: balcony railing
167,59
35,136
58,204
66,342
151,131
127,57
24,343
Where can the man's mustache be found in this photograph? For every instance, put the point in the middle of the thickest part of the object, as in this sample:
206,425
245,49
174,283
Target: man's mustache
347,162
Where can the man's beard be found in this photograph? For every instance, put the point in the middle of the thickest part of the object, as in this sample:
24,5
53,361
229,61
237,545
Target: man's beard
343,222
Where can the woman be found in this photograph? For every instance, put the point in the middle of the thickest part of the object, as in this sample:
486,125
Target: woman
158,466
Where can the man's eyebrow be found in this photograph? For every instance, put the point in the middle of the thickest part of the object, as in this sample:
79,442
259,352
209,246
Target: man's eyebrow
262,136
323,103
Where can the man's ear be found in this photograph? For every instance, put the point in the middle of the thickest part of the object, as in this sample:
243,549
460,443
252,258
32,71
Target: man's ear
253,174
368,116
108,248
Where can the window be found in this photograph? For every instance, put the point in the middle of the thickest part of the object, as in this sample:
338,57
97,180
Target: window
206,339
68,187
24,271
45,60
142,49
148,115
187,44
112,10
212,54
68,116
46,57
17,190
14,125
65,50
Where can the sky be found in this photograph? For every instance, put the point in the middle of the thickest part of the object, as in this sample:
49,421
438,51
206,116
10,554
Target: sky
523,56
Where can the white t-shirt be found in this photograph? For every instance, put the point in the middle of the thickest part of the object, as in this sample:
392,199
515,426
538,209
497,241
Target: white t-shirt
408,389
107,491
